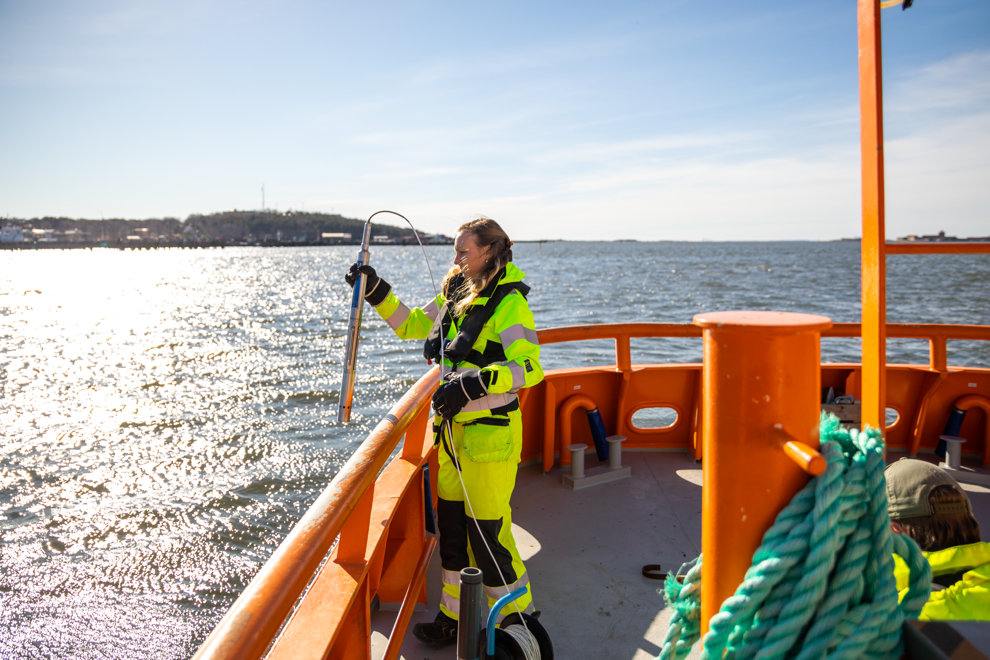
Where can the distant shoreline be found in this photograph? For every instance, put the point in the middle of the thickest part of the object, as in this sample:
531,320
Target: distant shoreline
161,245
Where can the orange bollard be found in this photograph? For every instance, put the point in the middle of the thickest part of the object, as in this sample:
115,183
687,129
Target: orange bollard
761,384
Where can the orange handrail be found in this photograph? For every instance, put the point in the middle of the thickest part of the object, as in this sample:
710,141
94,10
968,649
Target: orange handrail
937,334
254,619
953,247
618,331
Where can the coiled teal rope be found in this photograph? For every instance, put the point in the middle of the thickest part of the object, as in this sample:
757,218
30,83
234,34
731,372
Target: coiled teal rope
821,584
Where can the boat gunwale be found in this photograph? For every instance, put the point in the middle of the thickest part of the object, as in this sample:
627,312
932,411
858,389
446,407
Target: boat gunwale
253,622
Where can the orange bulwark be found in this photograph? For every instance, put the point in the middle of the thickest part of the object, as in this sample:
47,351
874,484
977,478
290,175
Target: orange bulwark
383,547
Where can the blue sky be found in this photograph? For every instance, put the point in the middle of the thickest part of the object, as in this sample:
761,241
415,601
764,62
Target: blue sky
668,119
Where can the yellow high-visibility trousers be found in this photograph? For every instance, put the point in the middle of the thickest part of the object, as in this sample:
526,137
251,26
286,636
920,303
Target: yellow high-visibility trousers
477,530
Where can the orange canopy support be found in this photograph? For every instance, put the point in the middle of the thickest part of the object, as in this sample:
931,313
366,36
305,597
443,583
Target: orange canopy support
874,293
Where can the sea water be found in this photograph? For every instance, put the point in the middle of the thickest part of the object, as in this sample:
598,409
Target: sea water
166,416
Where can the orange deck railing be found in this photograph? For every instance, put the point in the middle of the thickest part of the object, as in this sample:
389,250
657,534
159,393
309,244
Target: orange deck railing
373,519
364,536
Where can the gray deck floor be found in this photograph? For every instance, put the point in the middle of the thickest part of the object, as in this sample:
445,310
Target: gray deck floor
585,550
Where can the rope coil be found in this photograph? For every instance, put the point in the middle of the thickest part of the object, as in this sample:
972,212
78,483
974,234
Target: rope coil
525,640
821,584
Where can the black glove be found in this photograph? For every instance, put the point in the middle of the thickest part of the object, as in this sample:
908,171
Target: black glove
462,387
375,289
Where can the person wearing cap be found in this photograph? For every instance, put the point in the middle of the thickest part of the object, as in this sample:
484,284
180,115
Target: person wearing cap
927,504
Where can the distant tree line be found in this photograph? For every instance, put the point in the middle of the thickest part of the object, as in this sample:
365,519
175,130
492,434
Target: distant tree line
226,228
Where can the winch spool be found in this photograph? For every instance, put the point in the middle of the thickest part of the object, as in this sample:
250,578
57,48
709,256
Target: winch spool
520,636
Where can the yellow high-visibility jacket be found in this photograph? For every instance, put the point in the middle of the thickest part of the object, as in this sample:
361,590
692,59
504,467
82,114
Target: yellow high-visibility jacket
510,328
968,599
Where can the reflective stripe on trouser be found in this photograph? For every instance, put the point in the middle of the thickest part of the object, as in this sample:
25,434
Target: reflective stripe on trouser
489,456
450,595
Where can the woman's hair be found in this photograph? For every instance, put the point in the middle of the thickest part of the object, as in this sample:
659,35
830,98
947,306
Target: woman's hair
943,530
463,290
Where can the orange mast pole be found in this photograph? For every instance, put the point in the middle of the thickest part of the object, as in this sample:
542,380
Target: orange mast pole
874,293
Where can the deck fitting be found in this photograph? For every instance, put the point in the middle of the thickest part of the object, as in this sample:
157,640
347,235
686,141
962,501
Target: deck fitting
583,478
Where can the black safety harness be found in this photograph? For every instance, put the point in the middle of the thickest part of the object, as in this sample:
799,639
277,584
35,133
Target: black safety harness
461,347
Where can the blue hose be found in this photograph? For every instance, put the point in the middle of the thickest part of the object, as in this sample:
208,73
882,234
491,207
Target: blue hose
598,433
493,614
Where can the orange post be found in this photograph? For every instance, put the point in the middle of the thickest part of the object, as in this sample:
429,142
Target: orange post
874,259
762,384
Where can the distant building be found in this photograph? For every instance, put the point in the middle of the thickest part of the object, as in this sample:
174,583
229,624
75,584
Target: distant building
928,238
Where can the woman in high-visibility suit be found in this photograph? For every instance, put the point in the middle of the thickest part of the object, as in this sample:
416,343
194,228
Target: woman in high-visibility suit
490,351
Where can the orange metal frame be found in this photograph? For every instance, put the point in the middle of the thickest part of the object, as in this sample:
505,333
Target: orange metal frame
369,523
875,248
874,313
920,394
961,247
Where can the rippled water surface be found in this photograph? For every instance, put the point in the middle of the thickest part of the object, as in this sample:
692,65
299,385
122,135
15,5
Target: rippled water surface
168,415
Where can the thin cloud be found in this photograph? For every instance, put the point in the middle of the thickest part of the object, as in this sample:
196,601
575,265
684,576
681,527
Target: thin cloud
126,19
958,83
493,60
649,147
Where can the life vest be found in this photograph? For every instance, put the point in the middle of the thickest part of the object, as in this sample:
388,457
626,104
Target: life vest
461,347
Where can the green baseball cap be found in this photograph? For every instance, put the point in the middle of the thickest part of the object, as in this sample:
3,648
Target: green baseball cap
909,483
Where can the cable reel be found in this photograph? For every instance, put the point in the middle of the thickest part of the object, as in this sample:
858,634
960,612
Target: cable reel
520,636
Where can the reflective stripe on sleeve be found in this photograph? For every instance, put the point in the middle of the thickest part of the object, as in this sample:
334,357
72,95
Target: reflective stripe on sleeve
432,310
518,376
398,317
488,402
518,331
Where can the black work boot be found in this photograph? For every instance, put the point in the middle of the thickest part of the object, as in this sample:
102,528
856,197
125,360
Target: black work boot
441,632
